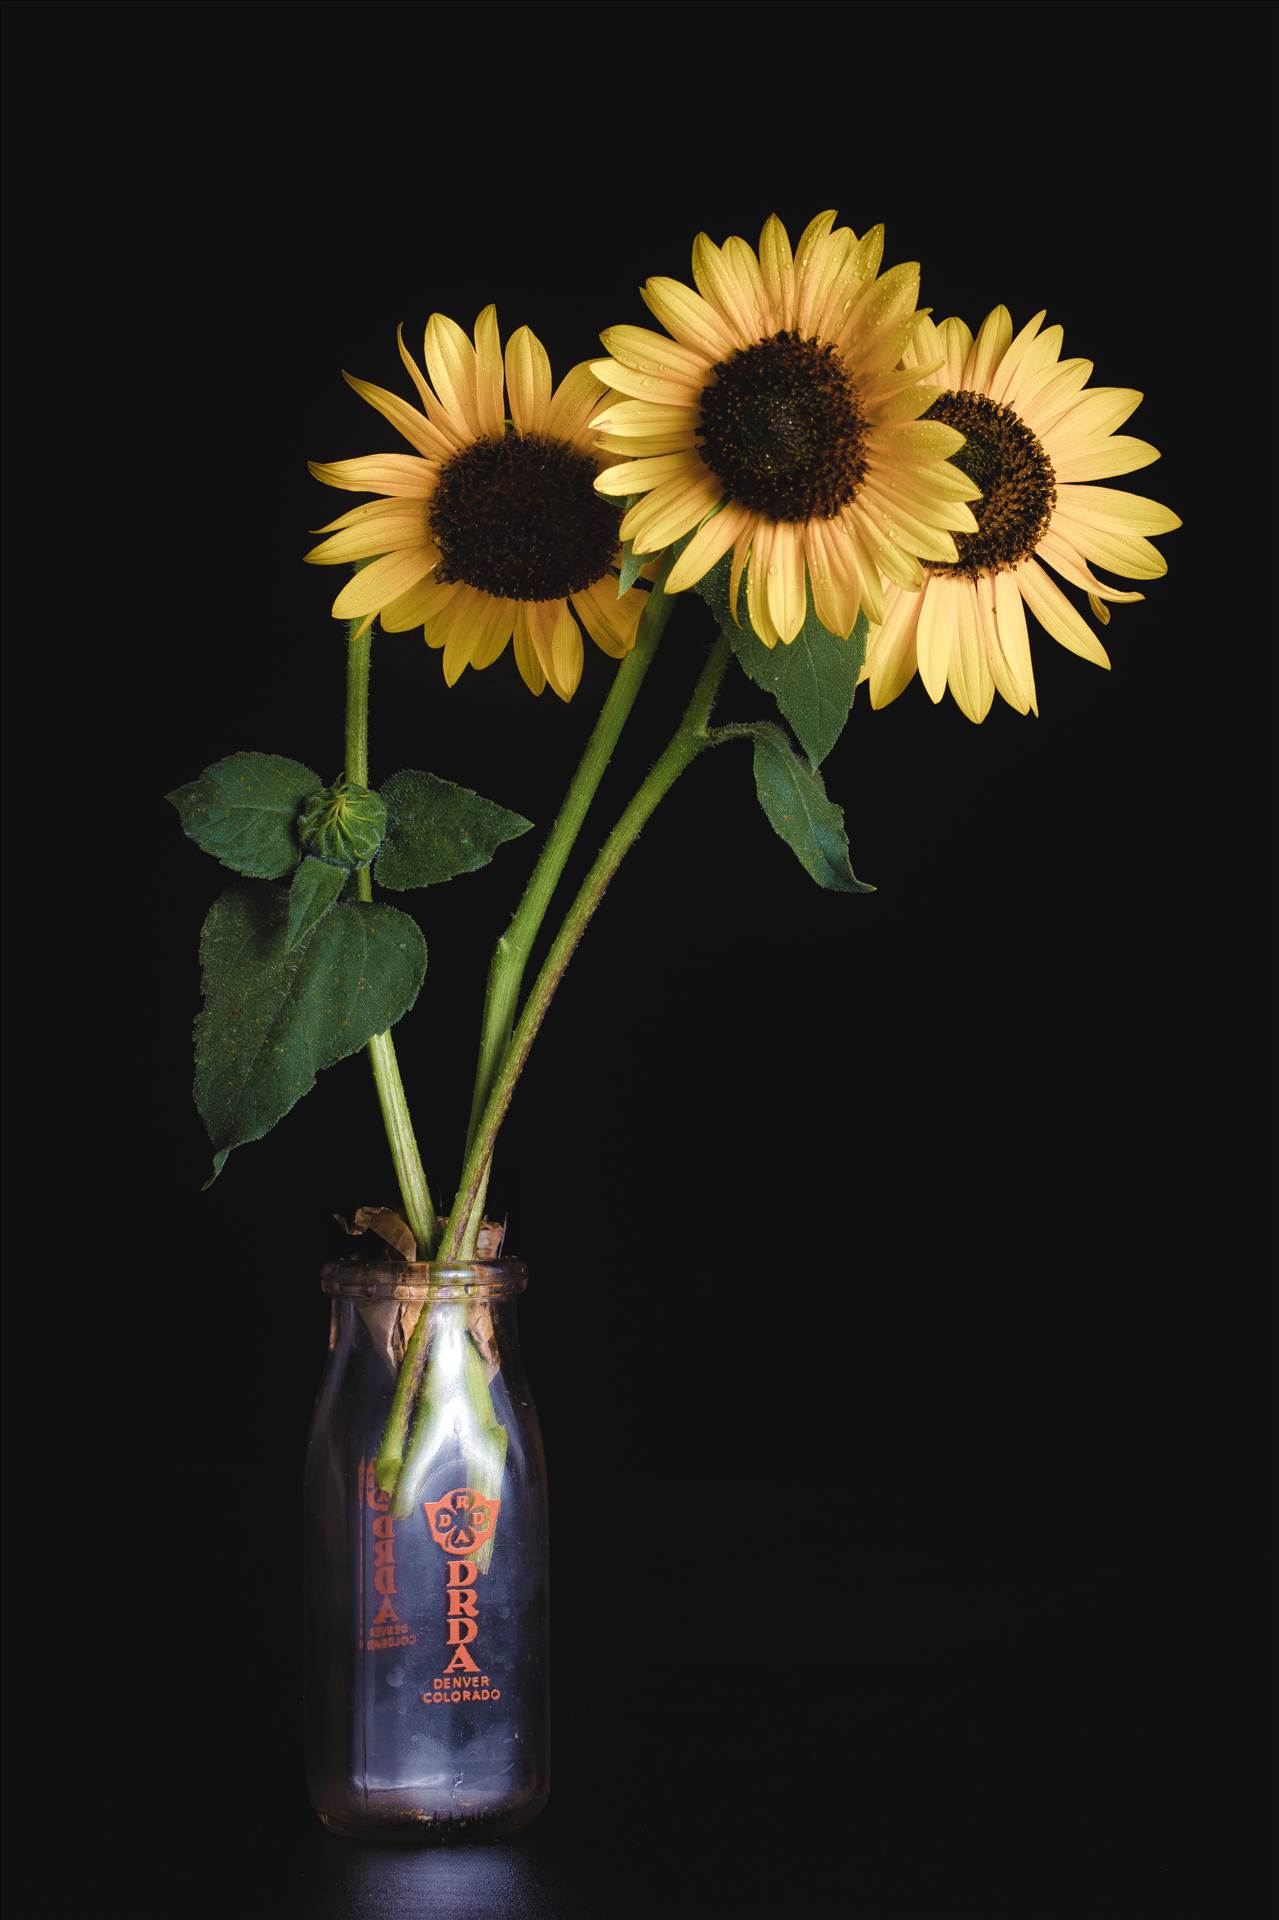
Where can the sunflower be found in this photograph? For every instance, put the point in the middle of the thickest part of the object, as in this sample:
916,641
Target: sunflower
1034,435
492,529
778,422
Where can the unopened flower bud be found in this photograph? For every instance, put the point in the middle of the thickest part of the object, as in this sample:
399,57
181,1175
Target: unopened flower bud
343,824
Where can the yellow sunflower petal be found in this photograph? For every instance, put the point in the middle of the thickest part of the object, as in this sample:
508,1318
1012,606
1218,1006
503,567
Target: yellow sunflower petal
741,549
723,287
488,374
1104,459
383,580
419,604
575,399
937,633
666,391
450,361
1037,367
662,516
566,651
1011,360
687,318
1056,615
1014,640
890,655
528,380
994,337
415,427
787,599
860,565
610,621
777,266
1005,682
400,474
710,543
957,340
493,630
1097,412
1116,511
366,541
407,512
1066,559
836,594
1043,397
900,567
452,433
969,676
531,670
1130,554
636,476
757,583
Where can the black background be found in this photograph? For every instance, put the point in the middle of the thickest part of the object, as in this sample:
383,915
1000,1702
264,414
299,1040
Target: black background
897,1302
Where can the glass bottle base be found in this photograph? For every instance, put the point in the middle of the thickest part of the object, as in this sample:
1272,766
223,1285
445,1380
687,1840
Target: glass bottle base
397,1825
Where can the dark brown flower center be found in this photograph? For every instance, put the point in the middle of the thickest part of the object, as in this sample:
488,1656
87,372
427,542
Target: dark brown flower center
781,426
1018,490
519,517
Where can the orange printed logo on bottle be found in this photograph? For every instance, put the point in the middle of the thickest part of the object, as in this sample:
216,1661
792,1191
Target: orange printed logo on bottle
386,1629
463,1522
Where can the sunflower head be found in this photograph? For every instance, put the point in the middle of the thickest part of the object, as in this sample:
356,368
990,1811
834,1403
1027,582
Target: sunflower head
778,422
491,530
1036,437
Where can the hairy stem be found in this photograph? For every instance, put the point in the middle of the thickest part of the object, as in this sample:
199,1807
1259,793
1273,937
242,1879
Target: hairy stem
511,955
415,1194
688,740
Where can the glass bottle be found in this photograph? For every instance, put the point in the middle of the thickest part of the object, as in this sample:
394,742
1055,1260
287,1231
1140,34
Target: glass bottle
425,1625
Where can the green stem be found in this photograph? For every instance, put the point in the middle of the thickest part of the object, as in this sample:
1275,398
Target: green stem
688,740
419,1209
510,956
506,976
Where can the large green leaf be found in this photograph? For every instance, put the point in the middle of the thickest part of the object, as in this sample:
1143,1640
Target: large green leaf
792,795
435,830
813,680
242,810
273,1019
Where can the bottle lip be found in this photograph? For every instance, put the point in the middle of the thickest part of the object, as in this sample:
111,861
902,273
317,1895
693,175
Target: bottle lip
417,1279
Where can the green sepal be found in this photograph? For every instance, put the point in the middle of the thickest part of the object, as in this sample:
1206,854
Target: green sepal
632,562
344,824
243,811
436,830
813,680
792,795
316,886
274,1018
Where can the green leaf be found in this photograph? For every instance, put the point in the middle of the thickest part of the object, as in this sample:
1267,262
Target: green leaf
273,1019
242,811
316,885
813,680
792,795
435,830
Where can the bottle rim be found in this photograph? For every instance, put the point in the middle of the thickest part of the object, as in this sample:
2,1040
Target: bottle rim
419,1280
